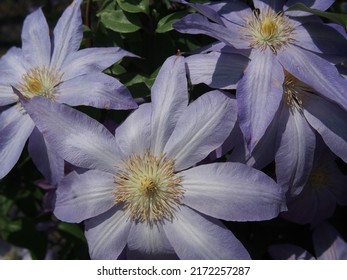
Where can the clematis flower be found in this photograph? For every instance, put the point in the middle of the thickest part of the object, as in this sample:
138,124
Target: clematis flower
57,71
143,191
325,188
327,242
276,42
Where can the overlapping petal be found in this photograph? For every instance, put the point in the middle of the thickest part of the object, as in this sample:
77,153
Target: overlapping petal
97,90
232,192
220,70
169,98
107,234
201,128
195,236
78,138
259,94
83,196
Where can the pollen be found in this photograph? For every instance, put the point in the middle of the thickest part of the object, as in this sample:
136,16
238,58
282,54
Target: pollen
40,81
266,29
149,188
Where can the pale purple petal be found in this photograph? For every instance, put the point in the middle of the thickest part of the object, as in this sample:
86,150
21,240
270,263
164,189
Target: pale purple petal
315,72
67,34
15,128
97,90
13,63
329,120
196,236
78,138
198,24
220,70
320,38
7,96
83,196
36,43
91,60
295,152
289,252
133,136
107,234
259,94
202,127
328,243
232,192
231,11
46,159
148,239
169,98
276,5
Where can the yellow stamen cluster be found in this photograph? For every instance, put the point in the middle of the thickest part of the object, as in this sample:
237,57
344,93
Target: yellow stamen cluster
149,188
267,29
40,81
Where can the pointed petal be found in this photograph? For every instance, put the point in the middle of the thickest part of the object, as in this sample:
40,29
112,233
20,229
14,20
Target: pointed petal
91,60
36,43
78,138
328,243
232,192
259,94
67,34
7,96
169,99
320,38
198,24
83,196
133,136
14,65
149,239
196,236
15,128
329,120
231,11
96,90
220,70
315,72
276,5
107,234
294,156
202,127
47,161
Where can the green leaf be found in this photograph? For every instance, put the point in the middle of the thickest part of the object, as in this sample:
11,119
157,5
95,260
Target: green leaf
120,21
72,229
335,17
165,24
134,6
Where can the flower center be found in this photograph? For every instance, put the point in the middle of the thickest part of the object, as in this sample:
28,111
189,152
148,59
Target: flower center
266,28
149,188
318,178
40,81
293,90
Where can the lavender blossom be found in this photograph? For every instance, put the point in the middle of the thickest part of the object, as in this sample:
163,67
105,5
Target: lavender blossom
271,43
57,71
142,192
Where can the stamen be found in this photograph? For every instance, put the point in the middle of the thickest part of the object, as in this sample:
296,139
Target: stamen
265,28
40,81
149,188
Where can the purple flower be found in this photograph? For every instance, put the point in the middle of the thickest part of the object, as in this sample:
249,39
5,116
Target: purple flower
277,43
327,242
142,192
59,72
325,187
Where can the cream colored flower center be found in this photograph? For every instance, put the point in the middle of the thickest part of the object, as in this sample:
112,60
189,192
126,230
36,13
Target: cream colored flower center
40,81
149,188
267,29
